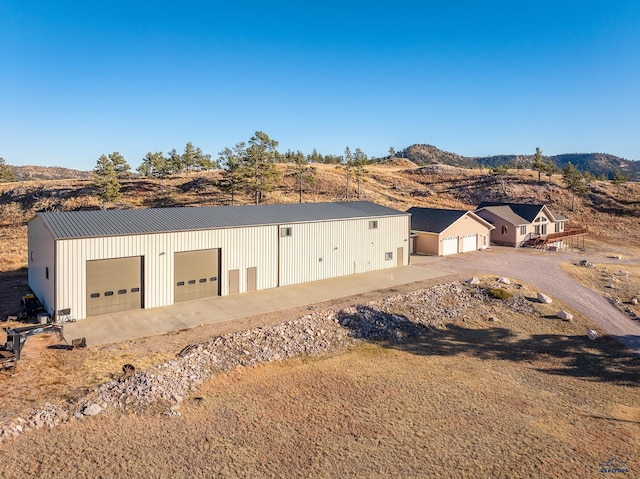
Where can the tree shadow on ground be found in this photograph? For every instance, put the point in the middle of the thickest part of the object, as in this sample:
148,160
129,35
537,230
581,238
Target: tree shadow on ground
604,359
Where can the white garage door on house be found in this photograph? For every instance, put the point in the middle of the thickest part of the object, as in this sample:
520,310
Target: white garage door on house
469,243
449,246
114,285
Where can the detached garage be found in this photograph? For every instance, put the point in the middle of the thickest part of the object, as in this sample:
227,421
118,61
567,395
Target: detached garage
444,232
99,262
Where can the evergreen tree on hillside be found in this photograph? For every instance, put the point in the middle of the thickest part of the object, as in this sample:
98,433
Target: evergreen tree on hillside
260,165
174,162
105,180
346,165
302,171
154,165
359,162
120,165
538,164
618,179
574,181
233,175
6,173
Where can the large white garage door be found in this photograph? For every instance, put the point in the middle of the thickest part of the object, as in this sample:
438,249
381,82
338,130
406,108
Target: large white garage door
469,243
449,246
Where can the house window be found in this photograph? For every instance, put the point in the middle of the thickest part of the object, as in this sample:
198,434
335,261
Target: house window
46,272
504,230
373,225
523,230
544,229
388,256
286,231
558,227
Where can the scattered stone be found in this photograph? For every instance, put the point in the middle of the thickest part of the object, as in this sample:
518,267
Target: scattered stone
585,263
565,315
611,286
473,281
92,409
592,334
504,280
493,319
623,273
543,298
634,301
396,318
614,256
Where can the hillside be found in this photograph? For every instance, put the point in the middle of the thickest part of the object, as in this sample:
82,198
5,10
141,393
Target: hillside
400,185
598,164
30,172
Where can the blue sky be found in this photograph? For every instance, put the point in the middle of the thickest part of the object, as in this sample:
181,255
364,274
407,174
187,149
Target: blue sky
79,79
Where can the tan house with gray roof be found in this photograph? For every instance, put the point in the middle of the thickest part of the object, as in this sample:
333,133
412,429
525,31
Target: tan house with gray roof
518,224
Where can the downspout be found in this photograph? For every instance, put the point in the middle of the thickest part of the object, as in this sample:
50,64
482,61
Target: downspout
278,257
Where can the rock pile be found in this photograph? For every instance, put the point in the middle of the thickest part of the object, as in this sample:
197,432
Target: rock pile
395,318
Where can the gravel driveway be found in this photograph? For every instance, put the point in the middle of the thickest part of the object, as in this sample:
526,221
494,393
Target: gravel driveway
541,269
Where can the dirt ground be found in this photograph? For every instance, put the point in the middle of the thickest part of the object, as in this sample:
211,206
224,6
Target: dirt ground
525,396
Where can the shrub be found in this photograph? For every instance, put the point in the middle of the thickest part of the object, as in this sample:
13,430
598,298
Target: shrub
499,293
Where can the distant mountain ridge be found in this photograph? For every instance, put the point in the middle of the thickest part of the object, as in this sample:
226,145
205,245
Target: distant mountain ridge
30,172
595,163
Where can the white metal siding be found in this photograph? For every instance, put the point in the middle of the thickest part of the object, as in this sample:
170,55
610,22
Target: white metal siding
241,248
345,246
329,249
40,244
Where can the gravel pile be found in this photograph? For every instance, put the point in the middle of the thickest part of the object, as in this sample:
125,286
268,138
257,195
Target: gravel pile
395,318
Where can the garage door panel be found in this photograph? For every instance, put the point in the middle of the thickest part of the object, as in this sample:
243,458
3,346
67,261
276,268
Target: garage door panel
196,274
469,243
114,285
449,246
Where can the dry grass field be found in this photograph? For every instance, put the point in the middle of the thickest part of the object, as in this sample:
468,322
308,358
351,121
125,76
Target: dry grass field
526,396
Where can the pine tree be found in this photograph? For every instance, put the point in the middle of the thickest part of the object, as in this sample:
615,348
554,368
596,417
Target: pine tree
259,164
359,162
538,164
302,171
174,162
120,165
233,175
346,165
618,179
574,181
154,165
6,173
106,181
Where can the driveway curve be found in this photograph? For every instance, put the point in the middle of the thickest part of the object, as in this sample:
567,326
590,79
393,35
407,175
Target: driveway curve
541,269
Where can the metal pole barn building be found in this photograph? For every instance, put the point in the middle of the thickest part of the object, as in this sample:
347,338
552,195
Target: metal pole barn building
98,262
